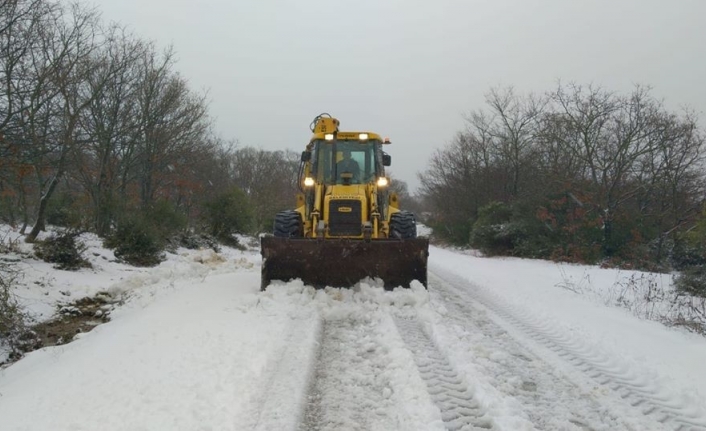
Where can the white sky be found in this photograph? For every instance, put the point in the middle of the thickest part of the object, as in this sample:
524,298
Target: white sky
410,69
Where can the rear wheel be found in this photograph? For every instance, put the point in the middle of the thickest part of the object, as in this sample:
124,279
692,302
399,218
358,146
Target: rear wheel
403,225
288,224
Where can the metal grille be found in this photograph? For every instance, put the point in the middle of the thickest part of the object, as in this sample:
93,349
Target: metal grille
345,218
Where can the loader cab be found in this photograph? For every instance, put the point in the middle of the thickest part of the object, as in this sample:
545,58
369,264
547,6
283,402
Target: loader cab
347,162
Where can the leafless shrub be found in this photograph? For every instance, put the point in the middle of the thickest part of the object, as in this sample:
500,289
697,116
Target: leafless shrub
9,245
569,283
15,337
688,312
641,294
647,297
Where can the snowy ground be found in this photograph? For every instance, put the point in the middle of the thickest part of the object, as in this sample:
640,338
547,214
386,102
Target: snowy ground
499,344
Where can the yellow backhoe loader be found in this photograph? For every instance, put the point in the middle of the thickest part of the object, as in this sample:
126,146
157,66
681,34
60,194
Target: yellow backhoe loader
346,225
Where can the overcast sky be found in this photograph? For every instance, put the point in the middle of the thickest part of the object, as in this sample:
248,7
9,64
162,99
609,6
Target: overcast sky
410,69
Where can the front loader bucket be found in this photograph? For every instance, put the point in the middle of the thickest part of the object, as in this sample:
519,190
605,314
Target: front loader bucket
344,262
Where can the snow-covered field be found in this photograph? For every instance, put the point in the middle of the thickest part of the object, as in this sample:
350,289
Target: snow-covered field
500,344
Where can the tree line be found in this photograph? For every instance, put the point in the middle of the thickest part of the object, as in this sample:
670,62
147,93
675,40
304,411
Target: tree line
578,173
98,127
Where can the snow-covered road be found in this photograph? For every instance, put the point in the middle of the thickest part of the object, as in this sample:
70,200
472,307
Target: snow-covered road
560,381
493,344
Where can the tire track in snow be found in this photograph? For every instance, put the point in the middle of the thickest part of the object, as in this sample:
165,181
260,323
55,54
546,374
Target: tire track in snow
459,410
349,389
552,403
295,358
312,416
608,372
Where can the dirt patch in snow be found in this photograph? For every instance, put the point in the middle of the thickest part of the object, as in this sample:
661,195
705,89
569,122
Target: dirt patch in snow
74,318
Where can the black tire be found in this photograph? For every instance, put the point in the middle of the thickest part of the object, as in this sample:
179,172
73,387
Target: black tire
403,225
288,224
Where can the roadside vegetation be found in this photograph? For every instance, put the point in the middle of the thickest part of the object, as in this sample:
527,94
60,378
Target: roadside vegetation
577,174
100,133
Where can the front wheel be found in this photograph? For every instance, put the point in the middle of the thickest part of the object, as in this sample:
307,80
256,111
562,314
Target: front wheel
403,225
288,224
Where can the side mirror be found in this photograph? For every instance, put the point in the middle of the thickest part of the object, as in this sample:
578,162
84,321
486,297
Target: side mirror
306,156
386,160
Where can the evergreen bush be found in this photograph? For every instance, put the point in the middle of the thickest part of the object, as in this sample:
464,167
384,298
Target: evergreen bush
166,220
136,241
454,232
63,210
692,281
493,233
64,250
193,241
228,213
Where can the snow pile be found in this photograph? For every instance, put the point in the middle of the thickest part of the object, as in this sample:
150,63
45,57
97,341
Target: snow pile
364,376
423,230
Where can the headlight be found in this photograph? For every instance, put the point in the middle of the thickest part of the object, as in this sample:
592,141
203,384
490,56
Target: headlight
328,136
308,182
363,136
383,182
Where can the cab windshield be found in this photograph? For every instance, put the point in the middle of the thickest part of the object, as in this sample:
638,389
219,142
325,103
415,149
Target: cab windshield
346,162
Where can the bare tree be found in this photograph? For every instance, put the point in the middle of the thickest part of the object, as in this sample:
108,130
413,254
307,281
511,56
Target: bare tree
400,187
609,134
268,178
173,120
110,121
671,178
71,45
33,131
19,23
91,110
459,180
579,156
23,75
513,126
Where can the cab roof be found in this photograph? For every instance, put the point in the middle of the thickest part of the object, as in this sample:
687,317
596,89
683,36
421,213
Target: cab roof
348,136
